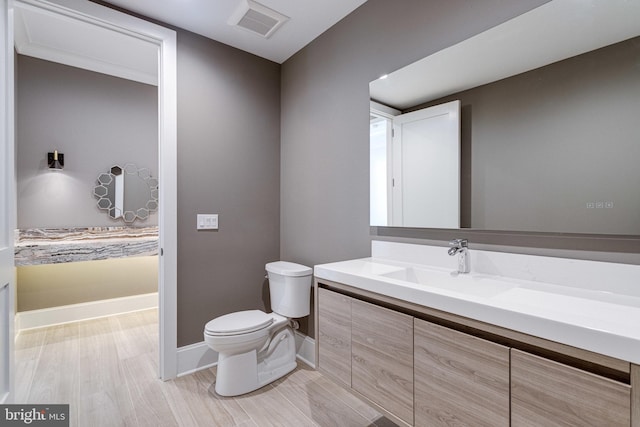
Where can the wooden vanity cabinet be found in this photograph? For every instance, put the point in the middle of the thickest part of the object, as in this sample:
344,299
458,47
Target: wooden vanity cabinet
382,357
635,395
334,335
460,379
548,393
425,374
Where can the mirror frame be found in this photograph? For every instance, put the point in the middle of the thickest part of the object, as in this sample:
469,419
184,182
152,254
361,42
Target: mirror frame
105,182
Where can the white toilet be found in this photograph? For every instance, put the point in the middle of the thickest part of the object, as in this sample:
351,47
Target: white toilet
255,348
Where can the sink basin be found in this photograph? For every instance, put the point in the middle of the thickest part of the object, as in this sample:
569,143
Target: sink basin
470,284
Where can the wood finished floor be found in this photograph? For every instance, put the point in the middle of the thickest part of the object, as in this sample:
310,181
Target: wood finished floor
106,369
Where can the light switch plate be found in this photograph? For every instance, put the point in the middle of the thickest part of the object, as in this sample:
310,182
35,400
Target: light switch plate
207,222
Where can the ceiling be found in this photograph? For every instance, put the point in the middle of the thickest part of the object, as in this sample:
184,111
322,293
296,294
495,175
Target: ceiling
57,37
307,20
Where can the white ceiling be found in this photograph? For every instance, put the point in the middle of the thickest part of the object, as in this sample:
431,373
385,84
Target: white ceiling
59,38
56,37
307,20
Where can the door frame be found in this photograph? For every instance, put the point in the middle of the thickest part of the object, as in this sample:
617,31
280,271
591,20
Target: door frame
8,197
165,39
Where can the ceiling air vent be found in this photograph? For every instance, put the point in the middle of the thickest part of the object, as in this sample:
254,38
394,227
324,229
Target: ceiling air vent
257,18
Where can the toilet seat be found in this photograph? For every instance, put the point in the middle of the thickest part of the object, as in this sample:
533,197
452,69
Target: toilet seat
242,331
239,323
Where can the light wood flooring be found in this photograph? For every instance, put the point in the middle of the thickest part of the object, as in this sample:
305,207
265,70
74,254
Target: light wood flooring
106,369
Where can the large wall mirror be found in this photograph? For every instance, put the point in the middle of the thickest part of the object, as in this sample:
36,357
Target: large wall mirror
549,121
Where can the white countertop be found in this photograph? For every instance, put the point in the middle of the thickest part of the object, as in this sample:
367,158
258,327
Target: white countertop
593,319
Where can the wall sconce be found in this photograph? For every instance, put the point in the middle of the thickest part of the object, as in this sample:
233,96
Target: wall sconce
55,160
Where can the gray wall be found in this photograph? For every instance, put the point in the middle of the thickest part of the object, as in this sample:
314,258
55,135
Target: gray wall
228,163
537,147
325,114
96,121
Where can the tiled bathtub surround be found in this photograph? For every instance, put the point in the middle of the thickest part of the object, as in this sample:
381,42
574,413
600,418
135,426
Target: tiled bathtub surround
36,246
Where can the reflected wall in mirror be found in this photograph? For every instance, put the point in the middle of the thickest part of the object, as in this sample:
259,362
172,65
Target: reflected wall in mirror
553,148
127,193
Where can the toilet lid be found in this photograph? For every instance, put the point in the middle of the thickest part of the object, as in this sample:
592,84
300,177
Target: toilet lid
285,268
240,322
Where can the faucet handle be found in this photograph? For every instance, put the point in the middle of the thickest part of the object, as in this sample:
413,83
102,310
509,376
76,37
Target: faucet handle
459,243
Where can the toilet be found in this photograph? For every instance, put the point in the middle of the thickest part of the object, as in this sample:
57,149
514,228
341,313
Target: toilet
256,348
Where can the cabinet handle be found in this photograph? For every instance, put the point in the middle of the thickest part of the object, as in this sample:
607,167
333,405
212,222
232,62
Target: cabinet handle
5,286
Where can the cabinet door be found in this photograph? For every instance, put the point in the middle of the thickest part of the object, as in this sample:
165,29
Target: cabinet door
459,379
382,357
635,395
334,335
548,393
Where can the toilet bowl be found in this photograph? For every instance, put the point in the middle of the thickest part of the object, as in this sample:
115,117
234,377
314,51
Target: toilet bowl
256,348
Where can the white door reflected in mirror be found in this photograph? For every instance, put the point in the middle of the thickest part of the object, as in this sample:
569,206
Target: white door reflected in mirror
415,170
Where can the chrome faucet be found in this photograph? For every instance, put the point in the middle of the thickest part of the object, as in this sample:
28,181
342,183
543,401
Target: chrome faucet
460,247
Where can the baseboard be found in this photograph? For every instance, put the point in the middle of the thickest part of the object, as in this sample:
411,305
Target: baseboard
89,310
198,356
195,357
306,349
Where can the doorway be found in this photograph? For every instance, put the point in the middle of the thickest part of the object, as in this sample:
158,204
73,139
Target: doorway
76,12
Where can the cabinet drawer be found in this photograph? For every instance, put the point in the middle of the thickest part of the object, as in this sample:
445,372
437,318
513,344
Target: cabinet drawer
459,379
382,357
544,392
334,335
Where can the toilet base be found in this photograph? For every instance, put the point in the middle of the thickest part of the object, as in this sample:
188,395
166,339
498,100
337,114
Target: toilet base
245,372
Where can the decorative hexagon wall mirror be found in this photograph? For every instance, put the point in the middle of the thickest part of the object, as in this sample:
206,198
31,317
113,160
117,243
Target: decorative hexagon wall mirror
128,193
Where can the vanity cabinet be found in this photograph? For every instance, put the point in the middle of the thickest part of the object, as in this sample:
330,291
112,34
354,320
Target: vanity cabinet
421,373
459,379
382,357
544,392
334,335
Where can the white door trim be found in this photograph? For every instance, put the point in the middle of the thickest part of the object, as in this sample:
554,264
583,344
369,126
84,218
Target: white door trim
8,200
167,121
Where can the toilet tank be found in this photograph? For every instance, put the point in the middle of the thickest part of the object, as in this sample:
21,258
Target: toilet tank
290,288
